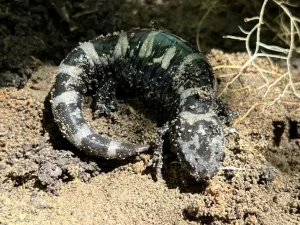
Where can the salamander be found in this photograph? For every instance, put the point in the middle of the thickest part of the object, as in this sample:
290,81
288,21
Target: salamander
157,67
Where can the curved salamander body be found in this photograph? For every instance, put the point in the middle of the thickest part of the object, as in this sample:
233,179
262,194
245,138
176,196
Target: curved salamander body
157,67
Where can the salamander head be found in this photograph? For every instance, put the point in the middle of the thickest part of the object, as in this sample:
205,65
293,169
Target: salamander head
197,139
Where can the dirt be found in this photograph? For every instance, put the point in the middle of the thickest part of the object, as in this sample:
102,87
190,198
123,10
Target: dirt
33,32
37,31
45,180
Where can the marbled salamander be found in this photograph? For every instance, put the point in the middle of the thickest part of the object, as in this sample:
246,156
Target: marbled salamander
159,68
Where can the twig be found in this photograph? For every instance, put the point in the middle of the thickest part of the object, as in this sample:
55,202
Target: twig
278,53
201,21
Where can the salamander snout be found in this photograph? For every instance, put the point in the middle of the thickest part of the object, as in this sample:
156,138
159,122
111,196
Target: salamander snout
197,139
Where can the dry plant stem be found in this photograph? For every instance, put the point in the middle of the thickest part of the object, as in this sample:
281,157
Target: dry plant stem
2,32
233,168
227,75
226,67
293,25
201,21
241,89
247,40
247,113
278,53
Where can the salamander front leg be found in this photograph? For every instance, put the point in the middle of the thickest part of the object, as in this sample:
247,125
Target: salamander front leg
225,113
157,158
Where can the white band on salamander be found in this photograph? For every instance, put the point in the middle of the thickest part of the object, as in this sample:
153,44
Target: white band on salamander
67,97
73,71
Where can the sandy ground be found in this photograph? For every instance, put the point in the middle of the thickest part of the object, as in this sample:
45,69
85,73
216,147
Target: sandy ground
44,180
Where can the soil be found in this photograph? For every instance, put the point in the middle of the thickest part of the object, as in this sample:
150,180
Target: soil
33,32
45,180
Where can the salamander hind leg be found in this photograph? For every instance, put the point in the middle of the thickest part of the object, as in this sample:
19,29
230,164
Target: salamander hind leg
157,159
104,100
